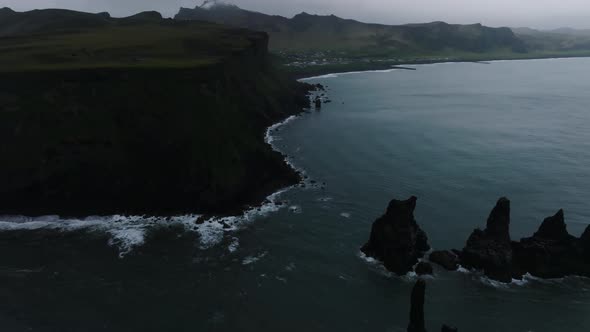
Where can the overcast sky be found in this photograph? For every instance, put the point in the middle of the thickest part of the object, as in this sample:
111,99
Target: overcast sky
516,13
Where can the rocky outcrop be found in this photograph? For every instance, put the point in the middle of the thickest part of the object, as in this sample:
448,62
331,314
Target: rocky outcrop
423,268
396,239
417,308
551,252
490,250
445,258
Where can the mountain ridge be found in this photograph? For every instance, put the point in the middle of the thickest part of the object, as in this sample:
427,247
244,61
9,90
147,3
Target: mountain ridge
305,32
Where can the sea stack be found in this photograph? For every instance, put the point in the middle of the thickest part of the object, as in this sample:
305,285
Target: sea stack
417,307
318,103
551,252
417,323
396,239
491,249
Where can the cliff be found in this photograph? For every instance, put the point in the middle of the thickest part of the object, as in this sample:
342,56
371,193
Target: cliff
139,115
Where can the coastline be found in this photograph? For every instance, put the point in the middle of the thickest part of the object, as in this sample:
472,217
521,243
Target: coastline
309,73
128,232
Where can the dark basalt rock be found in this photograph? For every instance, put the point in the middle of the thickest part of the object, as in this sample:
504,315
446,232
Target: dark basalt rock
445,258
396,239
417,308
553,228
491,249
318,103
551,252
423,268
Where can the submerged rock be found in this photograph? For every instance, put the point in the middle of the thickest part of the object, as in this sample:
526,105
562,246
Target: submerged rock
446,328
491,249
396,239
445,258
417,308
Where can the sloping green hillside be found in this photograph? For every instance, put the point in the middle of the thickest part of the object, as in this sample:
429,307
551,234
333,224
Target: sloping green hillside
61,39
138,115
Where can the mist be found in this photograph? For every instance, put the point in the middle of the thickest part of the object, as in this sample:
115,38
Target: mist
543,14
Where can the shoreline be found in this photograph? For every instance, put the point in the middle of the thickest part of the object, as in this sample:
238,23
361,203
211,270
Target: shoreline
127,232
402,66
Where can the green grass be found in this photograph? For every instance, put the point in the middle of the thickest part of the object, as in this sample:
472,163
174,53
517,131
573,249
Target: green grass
148,45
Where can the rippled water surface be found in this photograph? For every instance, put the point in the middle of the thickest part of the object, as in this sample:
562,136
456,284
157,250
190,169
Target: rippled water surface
458,136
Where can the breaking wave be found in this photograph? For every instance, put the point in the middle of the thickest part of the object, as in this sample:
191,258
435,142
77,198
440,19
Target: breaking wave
129,232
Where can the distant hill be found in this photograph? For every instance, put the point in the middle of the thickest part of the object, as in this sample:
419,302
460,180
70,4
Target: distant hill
305,32
557,40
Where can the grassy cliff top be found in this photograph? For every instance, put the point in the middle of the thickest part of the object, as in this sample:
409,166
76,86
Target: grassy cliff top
62,39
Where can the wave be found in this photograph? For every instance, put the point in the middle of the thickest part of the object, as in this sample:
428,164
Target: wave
129,232
336,75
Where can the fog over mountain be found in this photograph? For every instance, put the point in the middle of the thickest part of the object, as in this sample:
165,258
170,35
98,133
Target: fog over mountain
544,14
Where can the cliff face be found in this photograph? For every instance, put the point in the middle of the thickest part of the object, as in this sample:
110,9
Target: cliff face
148,139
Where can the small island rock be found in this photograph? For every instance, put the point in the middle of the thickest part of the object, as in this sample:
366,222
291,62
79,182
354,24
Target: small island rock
396,239
445,258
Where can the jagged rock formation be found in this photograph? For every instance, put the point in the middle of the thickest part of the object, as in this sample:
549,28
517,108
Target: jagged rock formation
396,239
550,253
490,249
445,258
417,308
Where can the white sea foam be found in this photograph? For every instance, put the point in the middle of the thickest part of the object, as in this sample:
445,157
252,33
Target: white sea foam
253,259
461,269
129,232
234,245
345,215
336,75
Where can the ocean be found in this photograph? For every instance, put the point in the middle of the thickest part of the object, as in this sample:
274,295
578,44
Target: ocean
458,136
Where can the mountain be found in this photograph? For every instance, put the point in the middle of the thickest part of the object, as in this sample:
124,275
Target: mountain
138,115
557,40
305,32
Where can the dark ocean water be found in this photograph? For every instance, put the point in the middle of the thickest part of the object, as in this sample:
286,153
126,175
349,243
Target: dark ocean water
458,136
